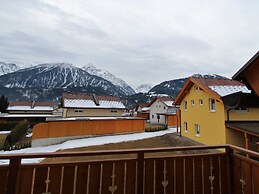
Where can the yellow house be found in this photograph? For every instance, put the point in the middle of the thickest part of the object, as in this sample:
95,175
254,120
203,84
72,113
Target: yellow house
205,116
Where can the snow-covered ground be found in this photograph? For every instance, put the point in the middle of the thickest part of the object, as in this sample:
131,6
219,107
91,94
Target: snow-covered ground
5,132
93,141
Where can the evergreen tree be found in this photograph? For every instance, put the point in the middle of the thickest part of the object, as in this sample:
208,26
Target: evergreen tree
3,104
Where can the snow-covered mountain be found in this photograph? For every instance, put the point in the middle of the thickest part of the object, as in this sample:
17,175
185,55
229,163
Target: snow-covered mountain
110,77
6,68
57,76
144,88
208,76
173,87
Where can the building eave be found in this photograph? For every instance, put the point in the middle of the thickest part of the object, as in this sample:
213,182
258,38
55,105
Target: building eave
238,75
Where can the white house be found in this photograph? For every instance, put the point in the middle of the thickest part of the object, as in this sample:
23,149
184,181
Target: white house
160,109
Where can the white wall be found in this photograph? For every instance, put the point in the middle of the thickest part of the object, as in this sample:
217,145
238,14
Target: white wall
157,107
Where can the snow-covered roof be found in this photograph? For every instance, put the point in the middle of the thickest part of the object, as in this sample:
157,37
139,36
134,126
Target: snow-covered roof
219,86
30,106
169,103
27,115
228,89
167,100
145,109
81,103
91,101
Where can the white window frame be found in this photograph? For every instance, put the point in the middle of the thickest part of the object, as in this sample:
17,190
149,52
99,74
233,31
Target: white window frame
192,102
197,128
196,88
185,125
212,108
185,105
200,102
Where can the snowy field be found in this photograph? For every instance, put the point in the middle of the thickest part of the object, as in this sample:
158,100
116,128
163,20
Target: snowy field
91,141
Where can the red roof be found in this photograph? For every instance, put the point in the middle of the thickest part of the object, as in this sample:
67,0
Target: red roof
217,82
31,103
89,97
204,84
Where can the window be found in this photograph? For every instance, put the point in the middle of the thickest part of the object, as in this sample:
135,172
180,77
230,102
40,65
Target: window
212,105
185,126
197,130
241,109
78,111
200,102
152,116
192,102
185,105
164,107
113,110
196,88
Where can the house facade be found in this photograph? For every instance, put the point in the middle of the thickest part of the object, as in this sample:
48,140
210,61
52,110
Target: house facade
204,114
85,105
161,110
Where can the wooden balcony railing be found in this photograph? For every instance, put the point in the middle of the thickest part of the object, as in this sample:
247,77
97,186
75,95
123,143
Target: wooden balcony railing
232,170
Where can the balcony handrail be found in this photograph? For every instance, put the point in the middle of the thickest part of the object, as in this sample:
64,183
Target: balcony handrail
125,151
109,152
224,156
249,152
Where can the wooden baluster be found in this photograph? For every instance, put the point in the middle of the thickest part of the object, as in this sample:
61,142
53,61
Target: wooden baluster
13,175
140,172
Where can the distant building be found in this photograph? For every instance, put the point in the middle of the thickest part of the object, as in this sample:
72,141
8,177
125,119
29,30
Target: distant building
162,110
206,113
142,111
85,105
30,107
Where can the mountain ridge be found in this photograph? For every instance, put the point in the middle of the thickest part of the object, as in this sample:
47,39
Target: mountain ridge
110,77
57,77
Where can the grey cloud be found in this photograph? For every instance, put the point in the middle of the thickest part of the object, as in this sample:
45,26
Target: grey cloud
22,44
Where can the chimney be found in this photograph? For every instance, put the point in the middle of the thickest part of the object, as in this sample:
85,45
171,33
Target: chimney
96,101
33,104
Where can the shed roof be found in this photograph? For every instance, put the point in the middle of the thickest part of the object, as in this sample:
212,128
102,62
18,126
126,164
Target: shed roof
250,127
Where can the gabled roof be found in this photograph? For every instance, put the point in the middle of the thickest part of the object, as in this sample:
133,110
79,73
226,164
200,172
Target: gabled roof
81,100
215,87
167,100
30,105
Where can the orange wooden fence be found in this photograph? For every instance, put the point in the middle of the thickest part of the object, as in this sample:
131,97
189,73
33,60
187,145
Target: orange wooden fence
67,128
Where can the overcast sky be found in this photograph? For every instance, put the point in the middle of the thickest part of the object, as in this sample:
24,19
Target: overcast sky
140,41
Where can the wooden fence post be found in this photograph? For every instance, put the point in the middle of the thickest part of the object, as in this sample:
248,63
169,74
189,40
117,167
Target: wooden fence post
140,175
230,151
13,175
